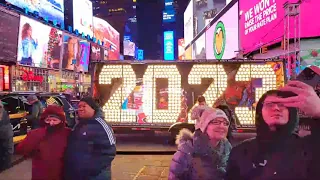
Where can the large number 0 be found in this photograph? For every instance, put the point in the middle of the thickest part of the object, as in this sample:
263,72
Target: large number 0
265,71
112,108
216,88
155,115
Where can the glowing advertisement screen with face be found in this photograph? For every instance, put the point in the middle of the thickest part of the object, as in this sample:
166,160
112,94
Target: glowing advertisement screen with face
163,93
262,21
222,37
51,9
82,17
76,53
39,45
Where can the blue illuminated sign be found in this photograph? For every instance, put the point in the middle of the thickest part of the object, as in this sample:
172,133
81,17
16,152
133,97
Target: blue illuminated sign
169,16
168,4
168,38
140,54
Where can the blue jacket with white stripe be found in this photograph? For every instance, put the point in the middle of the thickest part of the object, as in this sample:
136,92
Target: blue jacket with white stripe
90,150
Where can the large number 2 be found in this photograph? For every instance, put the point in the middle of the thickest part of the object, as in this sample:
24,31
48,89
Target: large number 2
155,115
216,88
112,108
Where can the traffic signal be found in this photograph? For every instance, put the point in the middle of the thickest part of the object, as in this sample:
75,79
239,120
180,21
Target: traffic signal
263,50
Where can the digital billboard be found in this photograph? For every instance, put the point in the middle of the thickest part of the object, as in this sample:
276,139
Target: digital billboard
76,53
168,4
169,16
204,10
168,42
222,38
188,23
181,51
104,32
82,16
129,48
262,22
199,48
96,52
39,45
51,9
9,29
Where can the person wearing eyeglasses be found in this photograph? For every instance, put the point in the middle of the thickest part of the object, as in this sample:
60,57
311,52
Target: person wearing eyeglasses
204,154
47,144
278,152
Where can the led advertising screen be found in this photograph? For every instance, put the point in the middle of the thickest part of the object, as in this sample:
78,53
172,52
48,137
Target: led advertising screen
76,53
204,10
199,48
51,9
168,4
96,52
168,42
169,16
222,38
167,93
262,22
82,16
111,37
129,47
38,45
181,51
188,23
9,29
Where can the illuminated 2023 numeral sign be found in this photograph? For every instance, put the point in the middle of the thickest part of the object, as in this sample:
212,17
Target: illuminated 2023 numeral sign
216,72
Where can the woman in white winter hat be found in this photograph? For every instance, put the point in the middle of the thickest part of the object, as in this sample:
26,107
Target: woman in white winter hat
204,154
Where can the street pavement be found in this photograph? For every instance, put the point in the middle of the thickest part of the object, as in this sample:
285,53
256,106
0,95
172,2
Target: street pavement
139,157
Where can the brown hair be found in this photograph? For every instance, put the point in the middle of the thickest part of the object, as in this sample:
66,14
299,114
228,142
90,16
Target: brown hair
25,29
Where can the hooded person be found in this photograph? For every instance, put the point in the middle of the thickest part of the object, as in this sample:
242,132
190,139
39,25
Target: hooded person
6,139
277,152
46,145
204,154
91,145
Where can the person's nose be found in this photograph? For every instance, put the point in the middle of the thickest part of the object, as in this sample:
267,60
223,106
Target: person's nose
276,107
51,123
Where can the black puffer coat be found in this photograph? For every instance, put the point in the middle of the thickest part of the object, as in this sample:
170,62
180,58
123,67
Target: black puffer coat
275,155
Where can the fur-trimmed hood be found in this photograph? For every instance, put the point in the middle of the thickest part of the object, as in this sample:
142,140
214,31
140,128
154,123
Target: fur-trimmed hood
184,136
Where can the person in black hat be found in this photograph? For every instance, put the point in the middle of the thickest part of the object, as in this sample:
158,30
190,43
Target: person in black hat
91,146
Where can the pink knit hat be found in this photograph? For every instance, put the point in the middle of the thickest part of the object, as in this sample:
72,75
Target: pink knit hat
209,115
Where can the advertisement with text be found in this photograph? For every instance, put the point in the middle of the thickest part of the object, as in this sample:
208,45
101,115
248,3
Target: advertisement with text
82,16
76,53
103,31
222,38
51,9
165,93
204,10
262,22
181,49
96,52
38,45
188,23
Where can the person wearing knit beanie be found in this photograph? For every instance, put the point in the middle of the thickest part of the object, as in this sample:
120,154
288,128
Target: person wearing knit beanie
91,142
46,145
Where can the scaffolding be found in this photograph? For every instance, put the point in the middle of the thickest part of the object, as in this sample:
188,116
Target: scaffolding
292,32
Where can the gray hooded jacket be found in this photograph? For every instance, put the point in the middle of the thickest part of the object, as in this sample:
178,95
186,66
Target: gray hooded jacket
196,159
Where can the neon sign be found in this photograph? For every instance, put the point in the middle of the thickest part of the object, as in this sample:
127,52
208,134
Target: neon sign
29,76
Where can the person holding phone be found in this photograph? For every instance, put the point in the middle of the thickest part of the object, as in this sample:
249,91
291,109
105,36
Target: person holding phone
278,152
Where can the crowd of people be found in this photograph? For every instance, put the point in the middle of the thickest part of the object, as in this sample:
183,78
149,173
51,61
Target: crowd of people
86,151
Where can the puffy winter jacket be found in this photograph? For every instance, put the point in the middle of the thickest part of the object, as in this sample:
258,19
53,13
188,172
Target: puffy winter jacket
90,151
6,141
196,159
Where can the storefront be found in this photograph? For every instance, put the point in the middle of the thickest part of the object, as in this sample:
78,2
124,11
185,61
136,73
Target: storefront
67,82
26,78
54,80
84,83
4,78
